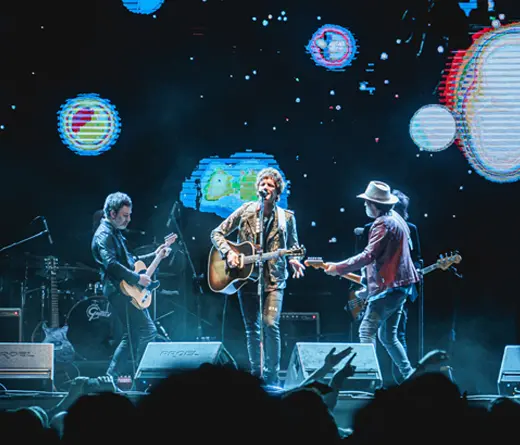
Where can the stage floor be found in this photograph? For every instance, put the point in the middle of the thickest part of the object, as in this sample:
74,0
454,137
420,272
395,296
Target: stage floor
348,402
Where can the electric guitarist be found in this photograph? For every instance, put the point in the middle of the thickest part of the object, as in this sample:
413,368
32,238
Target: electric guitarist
279,232
110,251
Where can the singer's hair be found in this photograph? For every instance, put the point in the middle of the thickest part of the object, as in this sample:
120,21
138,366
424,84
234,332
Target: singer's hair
401,206
275,175
116,201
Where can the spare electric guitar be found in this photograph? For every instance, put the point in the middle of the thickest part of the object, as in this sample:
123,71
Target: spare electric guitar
228,280
63,350
140,296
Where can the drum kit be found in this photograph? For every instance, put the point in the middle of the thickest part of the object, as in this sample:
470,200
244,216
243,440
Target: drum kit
94,330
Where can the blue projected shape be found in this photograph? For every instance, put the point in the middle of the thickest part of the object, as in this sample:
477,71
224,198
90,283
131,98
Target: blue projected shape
332,47
143,6
224,184
88,125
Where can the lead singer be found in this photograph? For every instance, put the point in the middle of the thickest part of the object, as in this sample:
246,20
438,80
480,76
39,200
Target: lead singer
279,232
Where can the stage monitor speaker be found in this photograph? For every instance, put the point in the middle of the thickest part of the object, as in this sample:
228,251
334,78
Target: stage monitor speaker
308,357
160,359
509,375
27,366
10,324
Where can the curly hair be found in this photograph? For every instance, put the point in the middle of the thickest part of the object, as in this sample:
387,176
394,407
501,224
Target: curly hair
275,175
401,206
116,201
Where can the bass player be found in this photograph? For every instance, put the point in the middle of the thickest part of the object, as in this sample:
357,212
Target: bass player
279,232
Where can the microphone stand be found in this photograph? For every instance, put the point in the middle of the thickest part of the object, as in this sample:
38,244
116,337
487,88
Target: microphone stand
195,277
260,283
420,318
43,232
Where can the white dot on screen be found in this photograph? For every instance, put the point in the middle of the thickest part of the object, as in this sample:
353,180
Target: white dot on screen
384,56
202,96
469,172
426,215
254,19
42,27
245,123
192,58
2,127
13,107
274,128
270,16
461,187
154,16
501,16
398,41
283,12
285,19
297,100
265,22
254,72
279,18
33,73
305,175
387,82
332,92
454,216
231,75
440,49
342,210
338,107
313,223
247,77
193,238
319,17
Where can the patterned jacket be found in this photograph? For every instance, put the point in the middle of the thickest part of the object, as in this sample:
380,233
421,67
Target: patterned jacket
280,236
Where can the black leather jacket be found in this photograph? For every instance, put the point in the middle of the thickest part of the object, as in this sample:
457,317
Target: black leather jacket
116,263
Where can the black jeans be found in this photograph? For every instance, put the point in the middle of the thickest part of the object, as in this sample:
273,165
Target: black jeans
139,330
272,308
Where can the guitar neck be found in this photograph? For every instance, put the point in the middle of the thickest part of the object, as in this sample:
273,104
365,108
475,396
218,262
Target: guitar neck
151,268
265,256
429,269
55,314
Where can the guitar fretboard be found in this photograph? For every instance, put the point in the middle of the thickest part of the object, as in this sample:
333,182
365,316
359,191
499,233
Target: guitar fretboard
429,269
265,257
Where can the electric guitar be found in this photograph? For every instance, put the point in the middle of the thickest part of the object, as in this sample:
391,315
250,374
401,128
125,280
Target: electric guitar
227,280
140,296
63,350
357,299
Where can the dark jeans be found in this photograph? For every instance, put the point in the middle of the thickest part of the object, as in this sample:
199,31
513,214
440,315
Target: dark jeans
139,330
272,308
382,318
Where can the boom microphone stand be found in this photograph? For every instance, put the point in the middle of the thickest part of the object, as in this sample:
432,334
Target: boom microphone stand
197,278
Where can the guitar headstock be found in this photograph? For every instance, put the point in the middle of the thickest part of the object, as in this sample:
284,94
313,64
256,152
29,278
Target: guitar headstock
298,251
51,265
445,262
170,239
316,262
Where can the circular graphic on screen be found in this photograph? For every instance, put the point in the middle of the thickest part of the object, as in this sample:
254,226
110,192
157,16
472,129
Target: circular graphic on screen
88,124
433,128
143,6
332,47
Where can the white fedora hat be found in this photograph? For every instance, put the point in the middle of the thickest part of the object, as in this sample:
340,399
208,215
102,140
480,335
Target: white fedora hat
379,192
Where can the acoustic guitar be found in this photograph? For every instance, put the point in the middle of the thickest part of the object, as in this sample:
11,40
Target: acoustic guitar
140,296
226,280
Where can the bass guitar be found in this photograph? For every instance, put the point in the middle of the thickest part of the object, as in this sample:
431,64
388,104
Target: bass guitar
358,299
226,280
140,296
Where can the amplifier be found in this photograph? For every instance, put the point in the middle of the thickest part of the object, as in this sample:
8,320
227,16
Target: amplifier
10,325
297,327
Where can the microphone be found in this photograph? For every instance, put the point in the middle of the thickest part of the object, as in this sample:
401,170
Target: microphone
47,229
358,231
263,193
